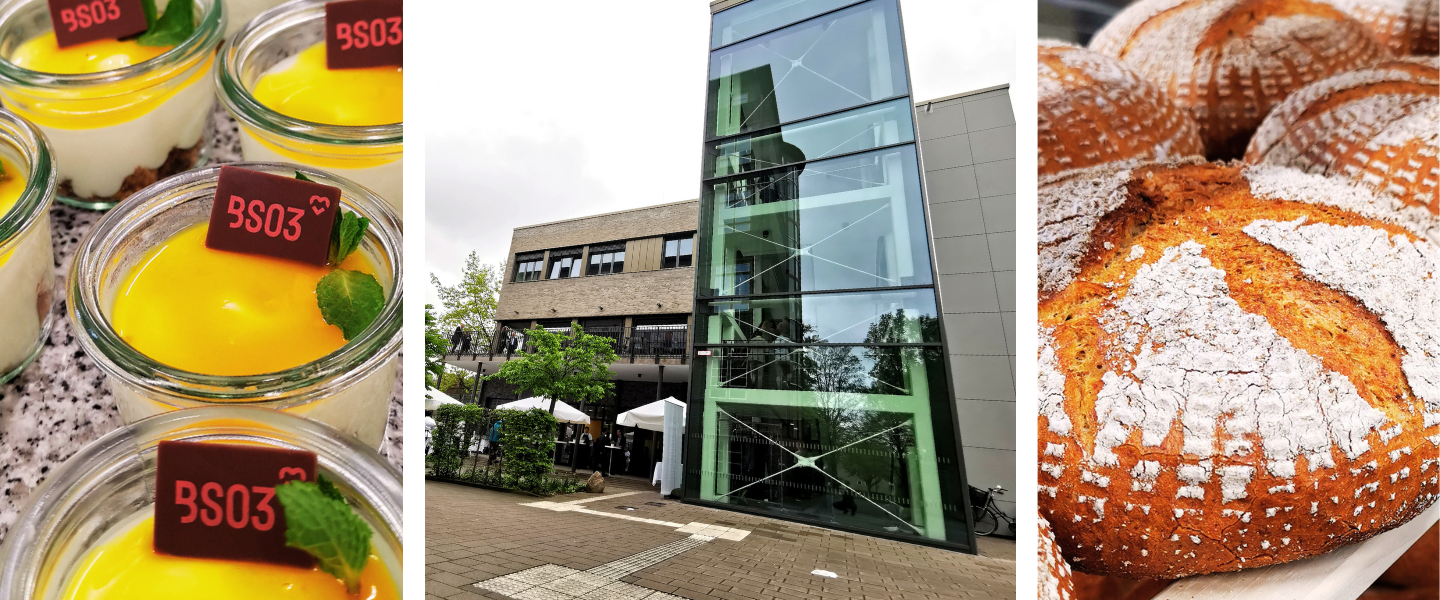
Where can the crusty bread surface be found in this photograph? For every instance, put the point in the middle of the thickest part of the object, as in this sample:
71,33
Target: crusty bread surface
1228,62
1378,127
1239,367
1405,26
1094,109
1054,575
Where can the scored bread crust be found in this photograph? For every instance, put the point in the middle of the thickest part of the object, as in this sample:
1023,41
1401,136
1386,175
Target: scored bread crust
1376,127
1232,378
1094,109
1404,26
1228,62
1054,574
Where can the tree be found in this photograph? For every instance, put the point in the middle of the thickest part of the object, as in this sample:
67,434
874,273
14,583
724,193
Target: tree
435,344
470,304
456,378
572,366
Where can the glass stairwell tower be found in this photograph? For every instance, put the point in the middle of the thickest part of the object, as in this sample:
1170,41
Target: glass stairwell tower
819,390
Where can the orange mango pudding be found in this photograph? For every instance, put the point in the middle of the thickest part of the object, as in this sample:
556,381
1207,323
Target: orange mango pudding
27,283
225,313
126,567
292,108
119,115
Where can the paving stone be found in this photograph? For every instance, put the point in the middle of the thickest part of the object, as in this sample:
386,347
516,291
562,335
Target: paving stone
523,552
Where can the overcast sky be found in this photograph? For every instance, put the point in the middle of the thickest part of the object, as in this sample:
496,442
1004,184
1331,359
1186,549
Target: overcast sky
578,108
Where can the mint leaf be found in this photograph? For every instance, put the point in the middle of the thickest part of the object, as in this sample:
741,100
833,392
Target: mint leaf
329,489
345,236
349,300
302,177
324,526
172,28
151,12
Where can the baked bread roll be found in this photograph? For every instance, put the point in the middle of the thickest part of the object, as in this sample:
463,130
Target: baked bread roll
1093,109
1228,62
1108,587
1378,127
1405,26
1054,574
1238,367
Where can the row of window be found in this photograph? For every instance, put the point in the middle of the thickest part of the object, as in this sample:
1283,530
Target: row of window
605,259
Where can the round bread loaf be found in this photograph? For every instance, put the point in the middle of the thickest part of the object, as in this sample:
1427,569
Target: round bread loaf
1054,575
1405,26
1375,126
1238,367
1228,62
1093,109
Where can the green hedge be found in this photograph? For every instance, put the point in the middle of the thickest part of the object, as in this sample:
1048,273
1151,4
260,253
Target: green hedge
522,461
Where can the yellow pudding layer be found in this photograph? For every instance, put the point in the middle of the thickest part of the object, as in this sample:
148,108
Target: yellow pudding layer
42,53
127,567
225,313
101,104
12,186
303,88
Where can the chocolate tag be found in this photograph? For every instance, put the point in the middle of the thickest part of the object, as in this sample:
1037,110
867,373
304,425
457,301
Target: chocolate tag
80,21
364,33
260,213
218,501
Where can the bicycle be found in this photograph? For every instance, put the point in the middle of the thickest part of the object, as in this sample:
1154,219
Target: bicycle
987,515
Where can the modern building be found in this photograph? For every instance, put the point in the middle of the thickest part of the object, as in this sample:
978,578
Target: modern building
821,390
967,144
848,274
627,275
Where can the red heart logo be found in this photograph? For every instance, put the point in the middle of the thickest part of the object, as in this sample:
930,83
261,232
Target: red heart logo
316,200
292,470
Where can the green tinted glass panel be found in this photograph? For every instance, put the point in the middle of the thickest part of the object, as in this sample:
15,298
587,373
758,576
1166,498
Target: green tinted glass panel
899,317
854,222
844,59
851,131
759,16
846,436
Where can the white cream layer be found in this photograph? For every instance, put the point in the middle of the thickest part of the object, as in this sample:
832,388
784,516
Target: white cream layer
385,179
21,278
360,410
97,160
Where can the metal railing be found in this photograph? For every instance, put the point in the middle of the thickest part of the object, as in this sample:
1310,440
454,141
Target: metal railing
640,342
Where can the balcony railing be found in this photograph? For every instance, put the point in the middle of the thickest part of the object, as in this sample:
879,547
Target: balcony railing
642,342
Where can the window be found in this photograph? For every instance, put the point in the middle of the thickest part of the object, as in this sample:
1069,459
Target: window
565,263
606,259
678,252
528,266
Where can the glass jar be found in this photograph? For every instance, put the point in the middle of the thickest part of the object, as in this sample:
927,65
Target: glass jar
369,155
239,13
27,276
117,131
348,389
110,484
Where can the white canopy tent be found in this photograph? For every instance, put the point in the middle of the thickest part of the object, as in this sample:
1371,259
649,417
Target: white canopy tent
563,412
434,398
651,416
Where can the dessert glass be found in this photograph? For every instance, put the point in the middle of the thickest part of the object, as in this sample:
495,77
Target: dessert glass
369,155
117,131
348,389
27,276
239,13
109,485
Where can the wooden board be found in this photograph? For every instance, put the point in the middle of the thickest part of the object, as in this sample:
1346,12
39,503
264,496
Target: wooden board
1340,575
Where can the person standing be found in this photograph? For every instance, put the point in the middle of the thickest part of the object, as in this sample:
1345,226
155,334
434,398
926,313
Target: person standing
455,339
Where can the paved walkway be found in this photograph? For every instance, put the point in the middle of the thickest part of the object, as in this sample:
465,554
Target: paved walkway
631,544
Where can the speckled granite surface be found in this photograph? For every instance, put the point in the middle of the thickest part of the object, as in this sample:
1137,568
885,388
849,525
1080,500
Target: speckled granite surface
60,402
